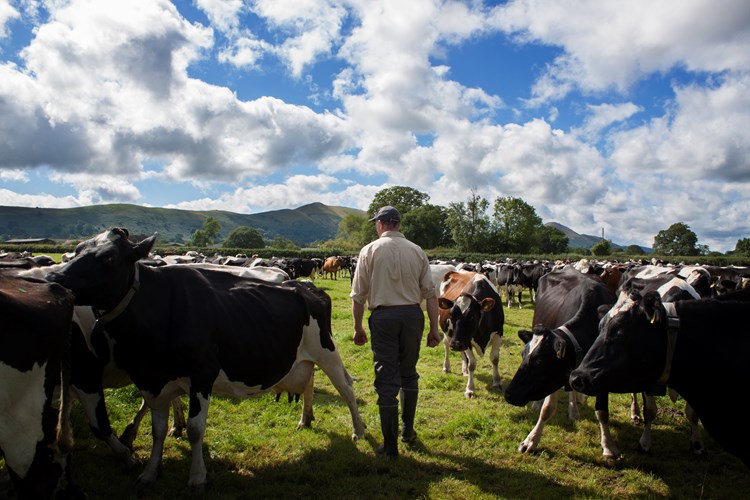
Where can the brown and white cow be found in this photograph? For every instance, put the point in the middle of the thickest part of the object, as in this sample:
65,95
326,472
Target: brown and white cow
471,317
178,329
36,320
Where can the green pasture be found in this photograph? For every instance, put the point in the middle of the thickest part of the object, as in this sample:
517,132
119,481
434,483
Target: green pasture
467,449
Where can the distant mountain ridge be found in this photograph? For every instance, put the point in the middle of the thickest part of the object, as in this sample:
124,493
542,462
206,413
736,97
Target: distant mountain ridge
576,240
303,225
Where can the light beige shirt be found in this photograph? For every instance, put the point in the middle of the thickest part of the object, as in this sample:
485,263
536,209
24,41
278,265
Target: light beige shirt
392,271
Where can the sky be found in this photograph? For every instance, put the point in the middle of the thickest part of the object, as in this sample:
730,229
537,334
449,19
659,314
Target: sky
617,116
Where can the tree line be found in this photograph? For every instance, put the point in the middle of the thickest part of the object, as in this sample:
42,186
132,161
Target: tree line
507,225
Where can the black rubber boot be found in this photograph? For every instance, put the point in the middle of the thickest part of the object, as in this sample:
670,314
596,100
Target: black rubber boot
408,410
389,426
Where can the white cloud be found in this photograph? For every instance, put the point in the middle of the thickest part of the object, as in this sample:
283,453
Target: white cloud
613,44
7,14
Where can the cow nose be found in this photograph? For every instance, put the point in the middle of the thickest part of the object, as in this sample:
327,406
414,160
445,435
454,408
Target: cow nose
576,382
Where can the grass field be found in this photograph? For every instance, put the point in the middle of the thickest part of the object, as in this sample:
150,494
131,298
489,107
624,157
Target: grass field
466,448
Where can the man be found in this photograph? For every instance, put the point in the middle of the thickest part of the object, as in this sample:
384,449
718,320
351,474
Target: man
393,277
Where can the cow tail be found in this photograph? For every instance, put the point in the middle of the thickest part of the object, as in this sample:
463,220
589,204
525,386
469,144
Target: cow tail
64,423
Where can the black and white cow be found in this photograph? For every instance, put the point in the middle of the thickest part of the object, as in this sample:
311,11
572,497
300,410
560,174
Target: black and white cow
177,329
34,439
698,347
471,317
565,326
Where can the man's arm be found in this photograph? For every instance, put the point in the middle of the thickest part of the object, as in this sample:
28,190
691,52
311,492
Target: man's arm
433,336
358,313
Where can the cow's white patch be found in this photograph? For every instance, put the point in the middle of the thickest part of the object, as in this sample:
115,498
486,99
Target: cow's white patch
463,304
21,403
482,277
534,342
677,283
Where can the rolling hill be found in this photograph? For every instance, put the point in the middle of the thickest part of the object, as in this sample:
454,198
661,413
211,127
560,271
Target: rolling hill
302,225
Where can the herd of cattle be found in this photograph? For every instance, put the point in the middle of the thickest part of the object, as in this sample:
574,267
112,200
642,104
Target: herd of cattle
113,314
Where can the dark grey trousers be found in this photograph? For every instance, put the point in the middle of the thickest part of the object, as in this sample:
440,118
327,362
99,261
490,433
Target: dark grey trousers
395,337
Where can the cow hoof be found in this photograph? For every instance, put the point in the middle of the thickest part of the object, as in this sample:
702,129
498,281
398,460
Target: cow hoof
198,489
175,432
303,425
470,394
611,458
525,448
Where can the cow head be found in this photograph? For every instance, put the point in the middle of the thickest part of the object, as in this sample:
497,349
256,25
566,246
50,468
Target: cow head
545,366
630,351
474,315
102,270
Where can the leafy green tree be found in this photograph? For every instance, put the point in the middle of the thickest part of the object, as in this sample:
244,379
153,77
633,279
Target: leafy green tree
678,239
205,237
469,223
516,224
244,237
635,250
404,198
552,240
426,226
742,247
602,248
283,243
355,229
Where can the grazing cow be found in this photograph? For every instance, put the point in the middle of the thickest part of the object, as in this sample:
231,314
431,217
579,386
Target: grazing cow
302,268
565,325
699,348
331,267
36,318
471,317
177,329
528,277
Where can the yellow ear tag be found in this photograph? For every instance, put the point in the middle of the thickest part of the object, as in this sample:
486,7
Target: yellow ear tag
653,318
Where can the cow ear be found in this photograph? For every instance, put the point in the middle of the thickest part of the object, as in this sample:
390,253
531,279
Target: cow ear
444,303
560,346
488,304
652,306
525,336
143,248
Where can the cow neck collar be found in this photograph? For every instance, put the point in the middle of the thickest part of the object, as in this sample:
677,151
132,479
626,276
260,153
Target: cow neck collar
124,302
673,326
576,346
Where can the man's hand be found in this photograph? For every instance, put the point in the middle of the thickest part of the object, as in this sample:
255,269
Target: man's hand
360,336
433,338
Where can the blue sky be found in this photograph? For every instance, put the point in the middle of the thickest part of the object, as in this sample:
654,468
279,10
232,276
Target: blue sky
626,116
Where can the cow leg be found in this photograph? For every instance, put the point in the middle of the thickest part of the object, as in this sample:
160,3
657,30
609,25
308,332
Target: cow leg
635,410
307,404
447,359
96,413
464,364
196,429
472,366
495,343
609,447
696,439
178,418
331,364
573,411
131,430
649,415
549,407
159,424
